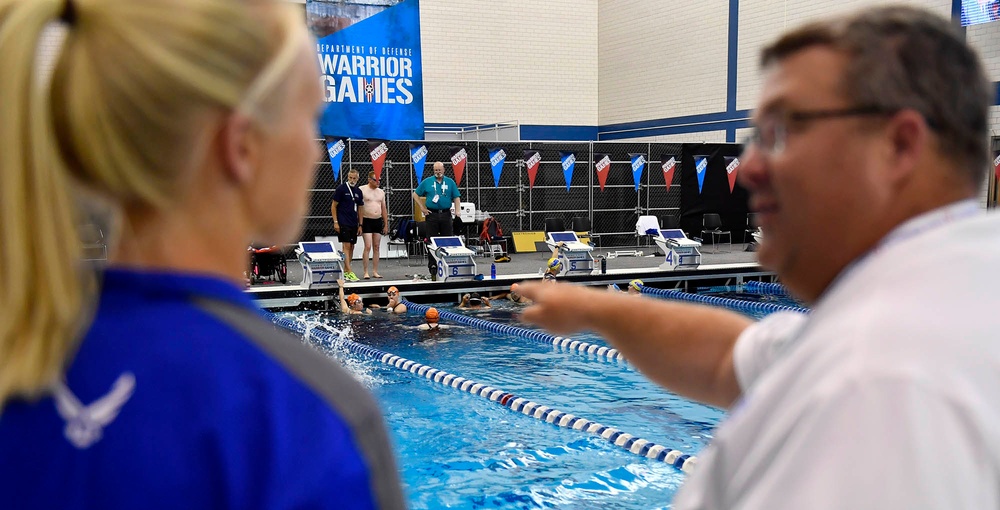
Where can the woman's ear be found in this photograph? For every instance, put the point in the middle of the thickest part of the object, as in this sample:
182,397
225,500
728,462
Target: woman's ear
239,152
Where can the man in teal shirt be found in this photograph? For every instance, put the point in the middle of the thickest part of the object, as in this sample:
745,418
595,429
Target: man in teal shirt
438,194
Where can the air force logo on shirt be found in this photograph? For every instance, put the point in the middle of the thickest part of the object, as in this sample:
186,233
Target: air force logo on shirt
85,424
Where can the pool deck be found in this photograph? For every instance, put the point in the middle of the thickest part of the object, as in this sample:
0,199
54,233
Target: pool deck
729,267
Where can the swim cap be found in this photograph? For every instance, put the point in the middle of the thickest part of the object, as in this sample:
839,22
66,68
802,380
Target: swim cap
353,298
554,265
475,299
431,315
636,284
392,289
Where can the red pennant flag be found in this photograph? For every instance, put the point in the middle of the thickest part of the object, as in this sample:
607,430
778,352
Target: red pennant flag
531,160
668,165
378,150
732,168
602,163
996,165
458,159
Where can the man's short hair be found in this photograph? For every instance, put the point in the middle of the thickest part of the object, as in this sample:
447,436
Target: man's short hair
907,58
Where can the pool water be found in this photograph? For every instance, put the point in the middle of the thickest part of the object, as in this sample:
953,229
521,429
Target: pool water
457,450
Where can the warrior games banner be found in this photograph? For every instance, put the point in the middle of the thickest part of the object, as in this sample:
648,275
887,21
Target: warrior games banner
700,167
602,163
335,148
418,156
638,163
568,160
732,169
369,55
668,164
497,158
531,161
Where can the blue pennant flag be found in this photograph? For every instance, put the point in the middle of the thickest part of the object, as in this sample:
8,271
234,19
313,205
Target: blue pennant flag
568,163
497,157
418,155
638,164
701,167
335,148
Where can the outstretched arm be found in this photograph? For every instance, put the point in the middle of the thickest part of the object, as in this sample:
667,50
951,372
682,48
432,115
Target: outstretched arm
686,348
343,301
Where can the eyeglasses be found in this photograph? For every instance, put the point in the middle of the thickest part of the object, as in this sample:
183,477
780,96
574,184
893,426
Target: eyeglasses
771,134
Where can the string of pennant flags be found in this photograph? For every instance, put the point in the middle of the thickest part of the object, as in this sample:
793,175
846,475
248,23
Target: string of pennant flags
378,149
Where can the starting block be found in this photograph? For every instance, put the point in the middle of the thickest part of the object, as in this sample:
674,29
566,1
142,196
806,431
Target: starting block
574,255
454,260
322,264
680,251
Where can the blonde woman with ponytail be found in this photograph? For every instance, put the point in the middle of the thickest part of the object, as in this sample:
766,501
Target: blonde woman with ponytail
155,383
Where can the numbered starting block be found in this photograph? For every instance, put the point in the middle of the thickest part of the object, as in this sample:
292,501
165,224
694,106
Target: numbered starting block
322,264
680,251
574,255
454,260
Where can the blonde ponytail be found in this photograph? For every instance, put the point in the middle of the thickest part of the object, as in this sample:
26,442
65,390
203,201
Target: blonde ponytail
42,292
122,117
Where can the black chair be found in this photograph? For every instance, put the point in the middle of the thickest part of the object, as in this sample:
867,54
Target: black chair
711,223
554,225
753,226
583,224
670,221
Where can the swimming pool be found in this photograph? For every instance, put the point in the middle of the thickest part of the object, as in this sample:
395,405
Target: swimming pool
458,450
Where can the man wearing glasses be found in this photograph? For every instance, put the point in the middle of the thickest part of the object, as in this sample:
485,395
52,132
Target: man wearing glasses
436,195
866,160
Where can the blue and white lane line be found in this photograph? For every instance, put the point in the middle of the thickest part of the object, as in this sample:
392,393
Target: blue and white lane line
738,305
623,440
607,353
770,289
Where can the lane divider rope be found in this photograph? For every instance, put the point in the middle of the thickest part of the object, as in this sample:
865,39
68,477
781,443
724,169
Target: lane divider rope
770,289
608,353
623,440
733,304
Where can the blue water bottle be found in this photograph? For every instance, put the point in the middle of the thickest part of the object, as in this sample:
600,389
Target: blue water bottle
493,271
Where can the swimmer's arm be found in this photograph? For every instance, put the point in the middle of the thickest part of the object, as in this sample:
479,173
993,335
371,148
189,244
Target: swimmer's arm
684,347
396,308
343,301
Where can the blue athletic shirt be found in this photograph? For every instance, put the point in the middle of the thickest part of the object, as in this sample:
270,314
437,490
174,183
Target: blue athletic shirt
348,199
216,419
446,191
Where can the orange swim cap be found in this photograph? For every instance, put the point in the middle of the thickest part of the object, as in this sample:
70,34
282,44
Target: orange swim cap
431,315
353,298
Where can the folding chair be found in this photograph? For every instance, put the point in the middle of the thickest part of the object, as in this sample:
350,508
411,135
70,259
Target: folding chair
582,224
711,223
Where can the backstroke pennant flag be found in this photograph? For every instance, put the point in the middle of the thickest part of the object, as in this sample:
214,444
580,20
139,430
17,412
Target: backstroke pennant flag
497,157
602,163
377,149
370,60
700,168
638,164
418,156
458,159
531,161
732,168
996,165
335,148
568,163
668,164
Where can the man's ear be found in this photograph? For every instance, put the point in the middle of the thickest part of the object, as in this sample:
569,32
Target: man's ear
909,135
239,154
